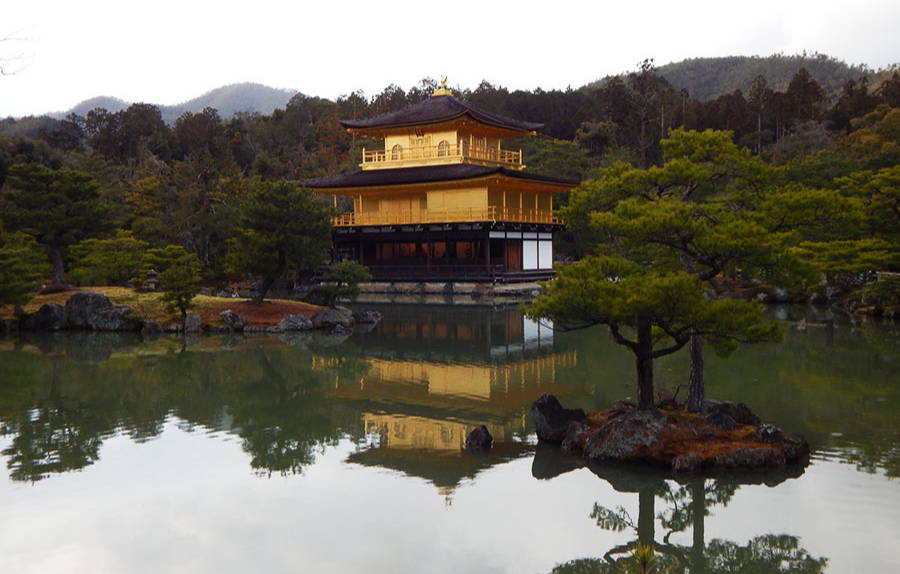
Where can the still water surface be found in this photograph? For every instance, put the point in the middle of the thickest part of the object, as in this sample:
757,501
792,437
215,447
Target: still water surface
315,454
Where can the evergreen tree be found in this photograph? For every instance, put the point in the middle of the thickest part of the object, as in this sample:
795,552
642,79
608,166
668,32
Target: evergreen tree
283,228
696,213
179,274
341,280
113,261
651,312
55,207
21,266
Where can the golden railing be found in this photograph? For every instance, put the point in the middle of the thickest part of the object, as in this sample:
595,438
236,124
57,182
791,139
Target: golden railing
440,153
412,216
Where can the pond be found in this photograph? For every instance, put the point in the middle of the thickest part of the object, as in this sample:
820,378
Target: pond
319,454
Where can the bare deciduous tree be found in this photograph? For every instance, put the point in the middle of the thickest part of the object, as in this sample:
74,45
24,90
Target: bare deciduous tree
11,64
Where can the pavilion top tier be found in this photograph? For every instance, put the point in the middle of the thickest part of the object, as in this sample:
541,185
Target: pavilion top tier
441,130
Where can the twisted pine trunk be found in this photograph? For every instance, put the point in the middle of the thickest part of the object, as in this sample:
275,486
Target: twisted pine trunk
269,279
697,388
643,353
56,261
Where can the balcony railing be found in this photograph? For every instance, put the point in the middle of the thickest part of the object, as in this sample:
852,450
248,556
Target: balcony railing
414,216
428,155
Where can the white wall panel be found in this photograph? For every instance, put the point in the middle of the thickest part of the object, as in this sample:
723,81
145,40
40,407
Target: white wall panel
545,254
529,255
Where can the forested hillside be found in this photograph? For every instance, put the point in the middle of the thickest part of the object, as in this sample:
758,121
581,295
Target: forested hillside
232,99
708,78
186,184
82,108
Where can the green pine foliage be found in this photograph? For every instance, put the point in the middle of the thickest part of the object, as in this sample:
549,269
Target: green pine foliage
22,265
341,280
114,261
651,312
283,228
179,274
56,208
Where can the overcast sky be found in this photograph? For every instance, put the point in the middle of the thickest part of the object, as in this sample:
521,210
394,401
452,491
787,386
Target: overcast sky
166,51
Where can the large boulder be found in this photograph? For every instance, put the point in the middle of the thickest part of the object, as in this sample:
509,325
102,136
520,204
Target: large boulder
751,458
740,412
83,306
628,437
232,319
721,420
479,438
341,331
551,420
50,317
118,318
796,449
769,433
577,434
332,317
366,317
295,323
94,311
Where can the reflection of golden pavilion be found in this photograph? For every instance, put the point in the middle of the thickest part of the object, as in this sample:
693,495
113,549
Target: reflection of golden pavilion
479,382
427,375
492,361
403,431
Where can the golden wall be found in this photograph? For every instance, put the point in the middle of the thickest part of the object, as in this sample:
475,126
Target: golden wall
456,199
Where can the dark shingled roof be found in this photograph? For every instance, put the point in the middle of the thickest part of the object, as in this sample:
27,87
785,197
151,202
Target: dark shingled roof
437,109
407,175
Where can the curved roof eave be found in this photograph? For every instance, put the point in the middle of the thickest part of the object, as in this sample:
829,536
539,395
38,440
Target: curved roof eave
435,110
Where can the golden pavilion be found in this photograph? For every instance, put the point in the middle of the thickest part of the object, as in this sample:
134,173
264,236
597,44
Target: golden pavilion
443,200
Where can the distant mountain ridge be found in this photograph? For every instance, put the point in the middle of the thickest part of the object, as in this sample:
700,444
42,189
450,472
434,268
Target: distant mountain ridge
108,103
228,100
703,78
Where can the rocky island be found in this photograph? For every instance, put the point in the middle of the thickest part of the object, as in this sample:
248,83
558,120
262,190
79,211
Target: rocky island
725,435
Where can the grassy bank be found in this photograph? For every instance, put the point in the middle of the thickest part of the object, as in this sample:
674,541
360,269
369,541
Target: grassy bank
149,306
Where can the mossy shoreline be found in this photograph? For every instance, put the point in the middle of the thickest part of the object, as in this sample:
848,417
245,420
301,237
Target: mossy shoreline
149,307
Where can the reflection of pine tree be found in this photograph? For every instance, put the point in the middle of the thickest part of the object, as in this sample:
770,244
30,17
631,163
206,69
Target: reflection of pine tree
58,412
687,507
284,423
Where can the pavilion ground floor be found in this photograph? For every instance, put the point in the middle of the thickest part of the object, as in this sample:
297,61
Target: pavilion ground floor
478,252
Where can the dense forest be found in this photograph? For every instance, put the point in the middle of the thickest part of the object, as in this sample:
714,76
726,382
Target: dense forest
185,184
708,78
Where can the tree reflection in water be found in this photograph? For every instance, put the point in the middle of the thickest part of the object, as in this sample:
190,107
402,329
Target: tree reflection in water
686,504
57,411
287,398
